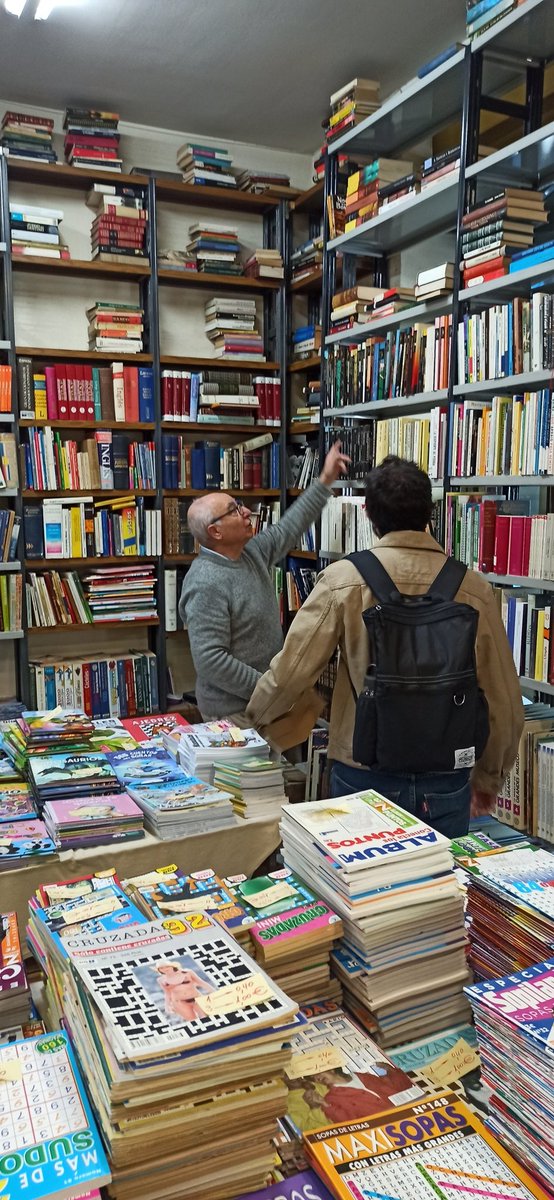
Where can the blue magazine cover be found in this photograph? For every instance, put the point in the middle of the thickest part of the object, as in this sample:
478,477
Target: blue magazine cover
144,766
52,1146
109,909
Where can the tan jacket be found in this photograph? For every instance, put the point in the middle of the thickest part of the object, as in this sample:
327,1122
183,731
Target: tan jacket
332,616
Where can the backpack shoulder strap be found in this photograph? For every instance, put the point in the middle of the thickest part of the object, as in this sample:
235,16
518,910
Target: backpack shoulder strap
448,581
373,573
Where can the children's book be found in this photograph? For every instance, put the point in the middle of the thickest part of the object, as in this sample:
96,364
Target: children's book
109,736
432,1148
143,766
51,1148
21,840
87,810
15,802
337,1073
75,772
152,728
185,792
175,985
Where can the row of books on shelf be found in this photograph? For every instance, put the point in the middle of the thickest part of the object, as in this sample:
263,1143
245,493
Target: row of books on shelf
214,397
500,536
404,362
496,230
300,581
506,339
527,619
483,14
5,388
421,438
345,526
106,595
124,684
104,461
10,525
525,800
177,538
9,475
365,303
11,606
302,467
68,391
88,528
508,435
251,464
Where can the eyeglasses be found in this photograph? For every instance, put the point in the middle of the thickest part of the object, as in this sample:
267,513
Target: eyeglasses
230,512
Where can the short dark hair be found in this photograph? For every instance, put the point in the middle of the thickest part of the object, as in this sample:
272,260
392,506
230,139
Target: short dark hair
398,496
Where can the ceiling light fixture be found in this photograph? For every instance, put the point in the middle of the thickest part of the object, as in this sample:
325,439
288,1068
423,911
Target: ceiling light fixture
15,7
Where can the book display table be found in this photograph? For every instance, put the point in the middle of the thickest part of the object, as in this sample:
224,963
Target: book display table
240,849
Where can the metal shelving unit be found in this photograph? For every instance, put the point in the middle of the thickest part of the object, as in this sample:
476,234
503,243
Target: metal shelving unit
528,381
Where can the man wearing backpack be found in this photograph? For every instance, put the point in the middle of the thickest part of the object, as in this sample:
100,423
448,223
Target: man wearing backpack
427,707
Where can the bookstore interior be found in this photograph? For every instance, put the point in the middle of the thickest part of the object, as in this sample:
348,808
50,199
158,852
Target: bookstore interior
348,258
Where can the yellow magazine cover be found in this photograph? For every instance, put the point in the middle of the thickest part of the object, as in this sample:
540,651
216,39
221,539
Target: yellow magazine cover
434,1149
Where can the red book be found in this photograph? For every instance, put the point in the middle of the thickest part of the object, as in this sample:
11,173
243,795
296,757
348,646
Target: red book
487,527
80,391
87,690
515,551
483,277
72,391
276,393
95,140
131,394
526,545
186,393
51,394
179,395
501,544
89,392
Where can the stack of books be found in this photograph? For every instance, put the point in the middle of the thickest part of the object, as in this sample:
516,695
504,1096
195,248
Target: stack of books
35,232
166,891
92,139
522,259
115,328
481,14
319,164
364,188
265,264
510,908
175,804
307,258
76,824
515,1028
70,775
439,166
121,594
350,105
231,328
65,391
306,341
119,231
25,136
15,995
206,166
256,785
65,1140
56,599
121,526
260,182
215,741
337,1073
434,282
494,228
354,306
74,902
403,959
195,997
215,247
22,842
399,189
292,932
176,260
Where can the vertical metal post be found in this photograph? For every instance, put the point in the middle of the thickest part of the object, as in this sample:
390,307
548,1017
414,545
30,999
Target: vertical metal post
280,300
534,97
149,300
21,645
328,287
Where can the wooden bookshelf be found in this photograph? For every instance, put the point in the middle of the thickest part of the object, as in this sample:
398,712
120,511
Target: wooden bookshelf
97,493
86,355
311,555
68,425
305,364
174,192
252,493
149,622
79,266
310,283
62,175
99,560
217,364
175,559
311,200
224,283
305,427
212,427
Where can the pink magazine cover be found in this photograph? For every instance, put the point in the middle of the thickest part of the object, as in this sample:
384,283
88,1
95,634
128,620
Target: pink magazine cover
84,809
32,830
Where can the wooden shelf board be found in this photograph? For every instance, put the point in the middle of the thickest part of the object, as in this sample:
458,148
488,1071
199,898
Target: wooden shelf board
58,174
40,629
230,492
174,632
310,554
88,424
97,493
86,355
204,426
100,560
79,266
218,364
305,364
295,491
175,192
229,283
179,558
311,200
310,283
304,427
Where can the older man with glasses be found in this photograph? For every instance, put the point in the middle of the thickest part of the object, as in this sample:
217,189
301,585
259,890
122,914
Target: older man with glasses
228,600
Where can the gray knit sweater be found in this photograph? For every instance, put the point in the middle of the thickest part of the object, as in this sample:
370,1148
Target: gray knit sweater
231,610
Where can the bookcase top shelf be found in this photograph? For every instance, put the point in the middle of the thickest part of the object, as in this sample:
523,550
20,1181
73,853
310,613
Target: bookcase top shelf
539,585
311,200
534,685
87,355
79,266
218,364
496,481
405,221
529,159
223,283
304,427
527,31
61,175
304,364
528,382
101,560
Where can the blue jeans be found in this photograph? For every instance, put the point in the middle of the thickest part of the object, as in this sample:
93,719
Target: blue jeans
441,799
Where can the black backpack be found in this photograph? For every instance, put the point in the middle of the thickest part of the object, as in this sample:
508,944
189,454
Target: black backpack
420,709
